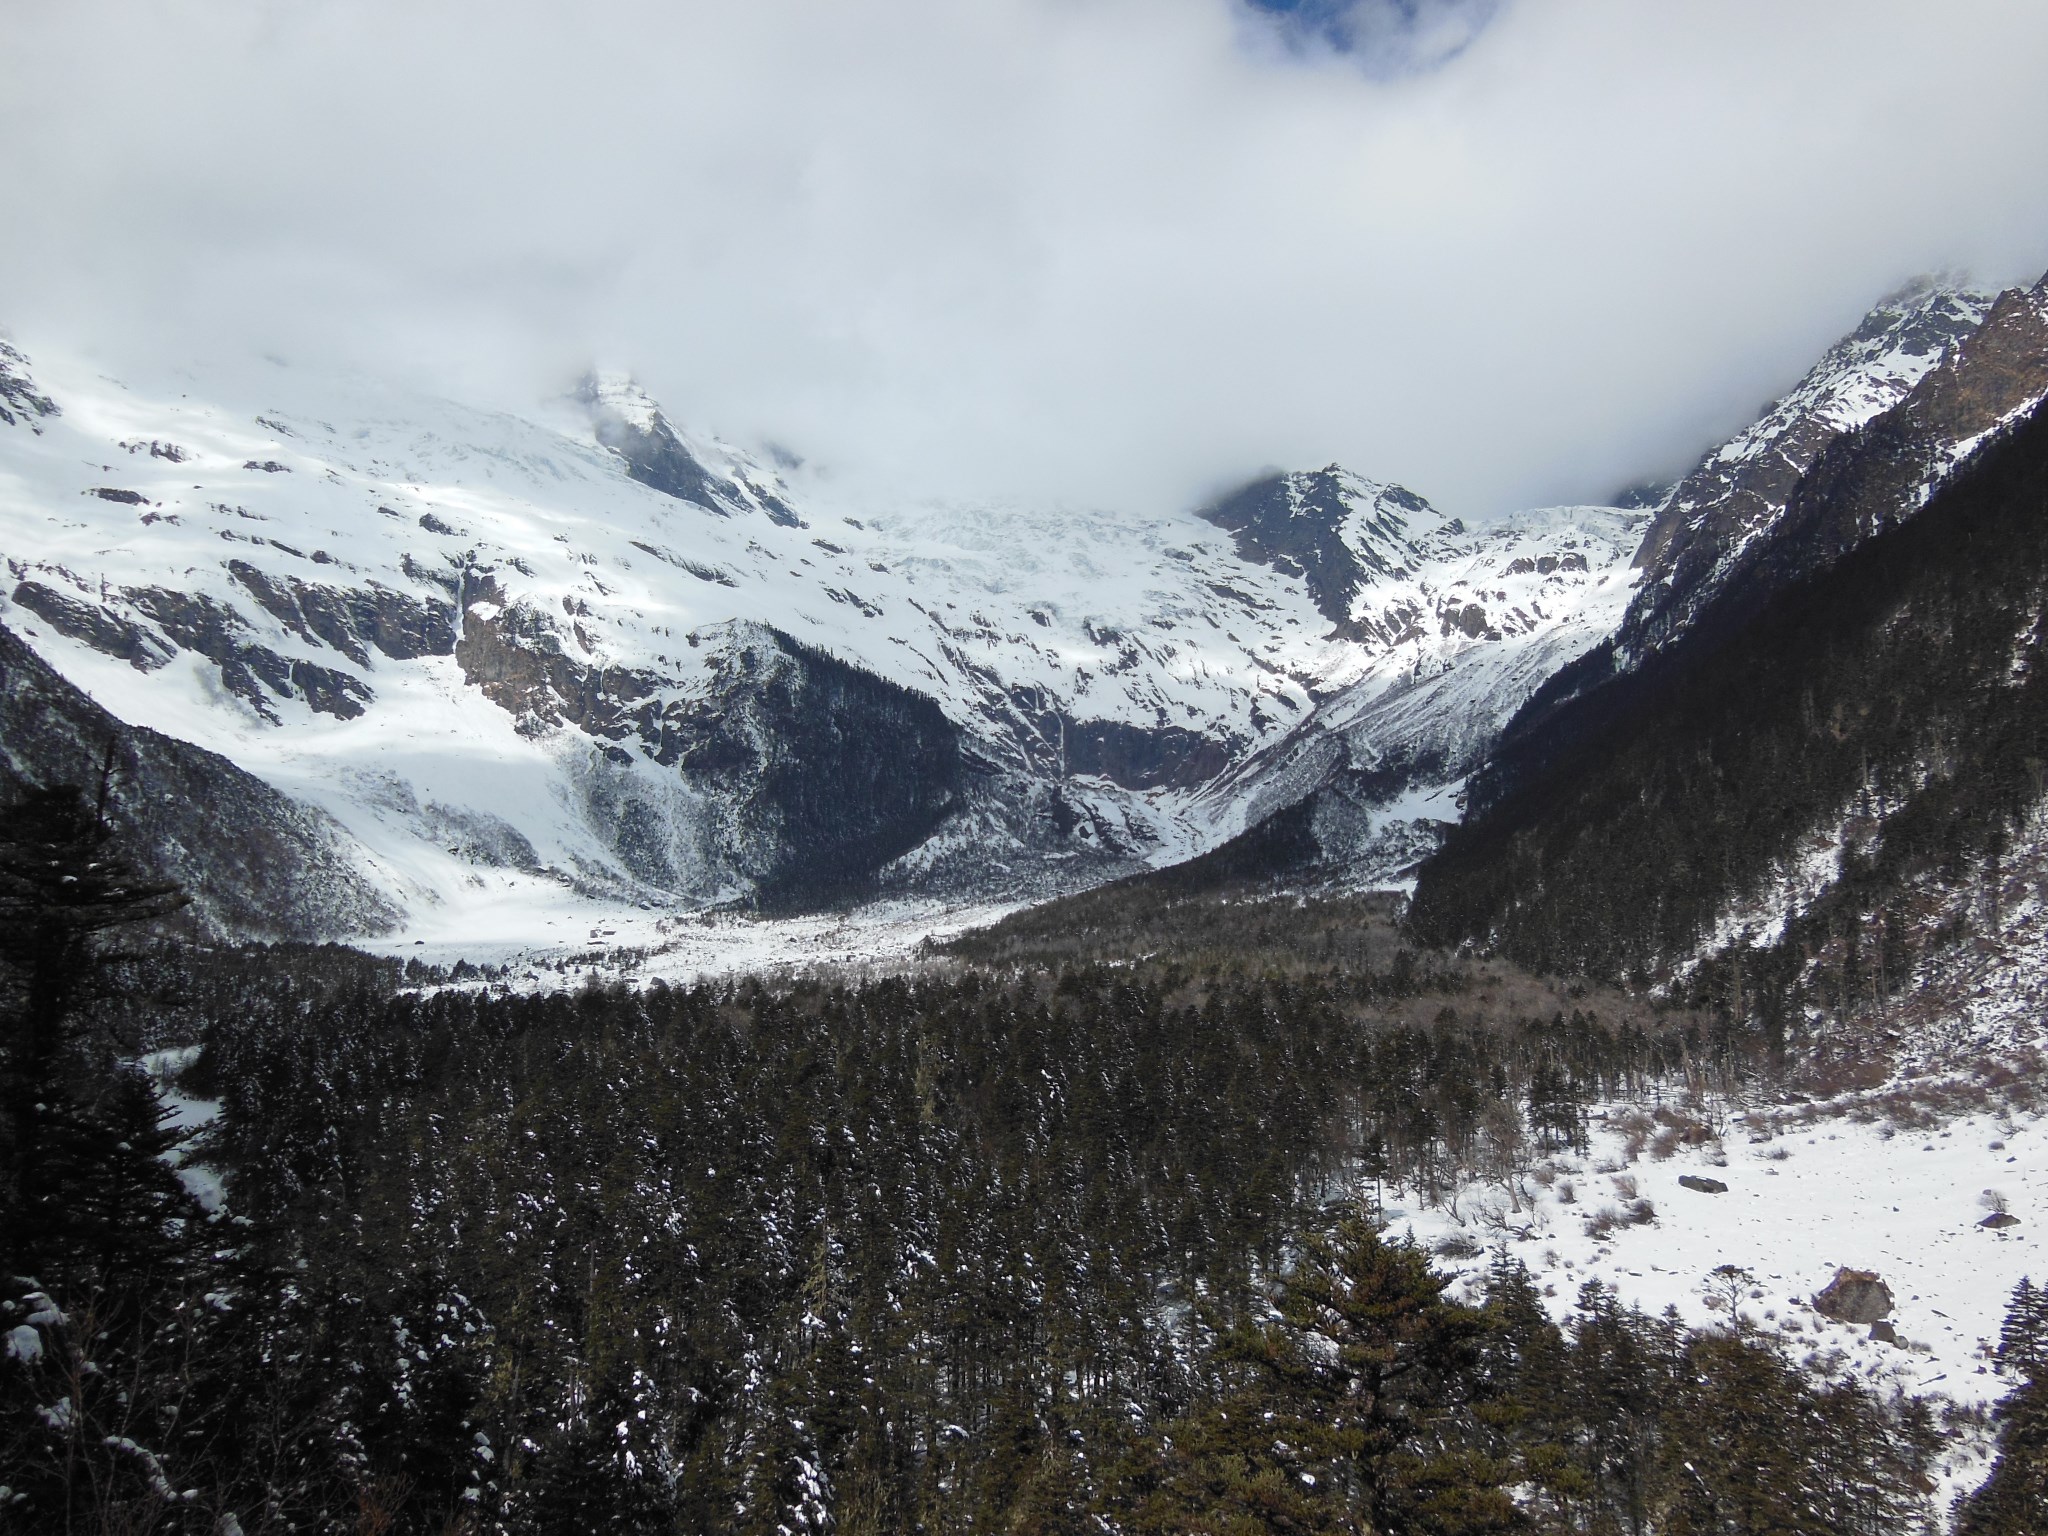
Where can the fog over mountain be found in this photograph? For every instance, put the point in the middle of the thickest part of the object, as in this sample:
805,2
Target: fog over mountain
1124,253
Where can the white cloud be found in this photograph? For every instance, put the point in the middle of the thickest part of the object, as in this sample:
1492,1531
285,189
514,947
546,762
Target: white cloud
1110,250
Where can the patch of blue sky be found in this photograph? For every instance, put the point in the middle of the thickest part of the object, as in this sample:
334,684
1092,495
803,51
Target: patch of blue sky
1385,37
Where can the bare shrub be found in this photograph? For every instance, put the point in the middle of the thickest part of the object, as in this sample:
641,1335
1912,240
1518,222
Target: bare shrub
1624,1185
1635,1128
1604,1222
1459,1245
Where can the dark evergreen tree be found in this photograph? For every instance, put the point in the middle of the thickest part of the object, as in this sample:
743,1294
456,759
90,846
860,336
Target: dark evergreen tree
2014,1498
62,884
1352,1412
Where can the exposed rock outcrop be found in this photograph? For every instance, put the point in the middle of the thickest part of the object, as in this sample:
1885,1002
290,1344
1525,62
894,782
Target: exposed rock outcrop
252,672
1854,1296
94,625
21,403
1326,526
353,619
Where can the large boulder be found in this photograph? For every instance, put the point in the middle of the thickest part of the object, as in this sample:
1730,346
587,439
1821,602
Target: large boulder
1854,1296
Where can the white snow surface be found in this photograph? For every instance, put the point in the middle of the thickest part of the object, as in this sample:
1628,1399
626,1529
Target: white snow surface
1827,1186
1002,614
186,1114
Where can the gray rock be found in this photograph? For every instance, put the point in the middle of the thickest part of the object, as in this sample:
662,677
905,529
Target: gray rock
1705,1186
1854,1296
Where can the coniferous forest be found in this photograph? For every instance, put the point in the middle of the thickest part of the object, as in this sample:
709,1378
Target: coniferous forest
1051,1242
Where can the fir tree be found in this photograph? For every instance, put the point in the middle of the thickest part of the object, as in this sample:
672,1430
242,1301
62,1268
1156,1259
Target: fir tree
62,884
1352,1412
2014,1498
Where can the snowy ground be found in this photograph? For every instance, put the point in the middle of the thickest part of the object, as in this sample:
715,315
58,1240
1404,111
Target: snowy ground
1801,1202
656,945
187,1114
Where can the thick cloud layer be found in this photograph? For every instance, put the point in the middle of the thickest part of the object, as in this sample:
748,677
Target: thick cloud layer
1108,250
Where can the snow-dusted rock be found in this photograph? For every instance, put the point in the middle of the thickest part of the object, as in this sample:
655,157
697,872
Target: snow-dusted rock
1854,1296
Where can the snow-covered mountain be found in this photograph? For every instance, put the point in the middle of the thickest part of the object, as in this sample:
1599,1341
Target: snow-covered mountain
1462,628
518,660
1739,490
1931,371
504,667
1364,789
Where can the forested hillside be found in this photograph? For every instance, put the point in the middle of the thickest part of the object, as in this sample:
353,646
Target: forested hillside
1884,723
1054,1247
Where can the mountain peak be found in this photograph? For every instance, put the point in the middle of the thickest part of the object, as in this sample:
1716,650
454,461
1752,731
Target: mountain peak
1738,490
1335,529
628,421
619,397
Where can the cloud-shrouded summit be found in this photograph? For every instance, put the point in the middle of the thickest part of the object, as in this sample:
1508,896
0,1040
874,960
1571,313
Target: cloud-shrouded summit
1124,253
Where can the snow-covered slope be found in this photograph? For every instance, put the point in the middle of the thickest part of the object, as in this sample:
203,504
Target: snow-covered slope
1462,640
579,654
1740,489
1894,1183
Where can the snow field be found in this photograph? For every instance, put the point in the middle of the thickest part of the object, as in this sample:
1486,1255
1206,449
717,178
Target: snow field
1801,1202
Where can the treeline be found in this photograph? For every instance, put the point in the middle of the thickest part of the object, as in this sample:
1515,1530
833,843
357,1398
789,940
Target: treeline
1055,1250
1899,700
1166,916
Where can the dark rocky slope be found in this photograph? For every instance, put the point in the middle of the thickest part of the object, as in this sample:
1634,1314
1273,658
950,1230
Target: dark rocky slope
256,864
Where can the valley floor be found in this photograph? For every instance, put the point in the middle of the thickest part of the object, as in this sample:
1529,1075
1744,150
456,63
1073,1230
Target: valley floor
550,940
